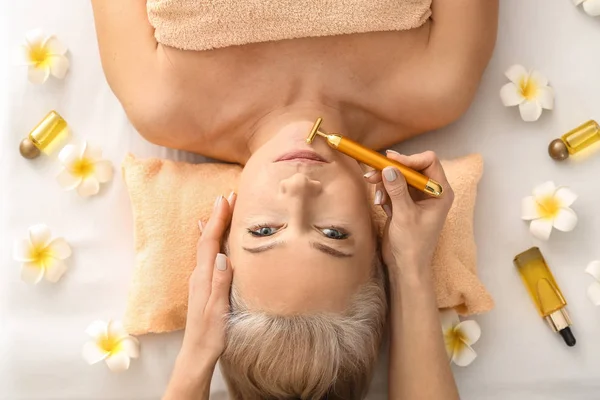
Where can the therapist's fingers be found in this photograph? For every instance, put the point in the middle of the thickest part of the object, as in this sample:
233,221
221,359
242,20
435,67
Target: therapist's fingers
382,199
418,162
427,163
422,162
199,287
219,220
209,244
218,302
231,199
213,231
397,190
373,176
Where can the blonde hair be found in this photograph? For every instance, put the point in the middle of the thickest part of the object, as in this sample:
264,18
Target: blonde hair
317,356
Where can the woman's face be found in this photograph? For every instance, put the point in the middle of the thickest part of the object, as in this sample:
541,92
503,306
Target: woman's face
301,237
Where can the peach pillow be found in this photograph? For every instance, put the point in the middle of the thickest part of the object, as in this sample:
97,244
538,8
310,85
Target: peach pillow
169,198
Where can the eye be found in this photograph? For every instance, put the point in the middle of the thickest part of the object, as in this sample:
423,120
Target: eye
334,233
262,230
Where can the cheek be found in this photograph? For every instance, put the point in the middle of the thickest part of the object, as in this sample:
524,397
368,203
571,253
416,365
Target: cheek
257,188
234,244
355,192
256,180
353,198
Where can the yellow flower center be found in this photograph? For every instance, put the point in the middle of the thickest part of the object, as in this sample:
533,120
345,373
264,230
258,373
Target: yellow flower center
39,55
41,256
529,88
82,168
548,207
109,344
456,340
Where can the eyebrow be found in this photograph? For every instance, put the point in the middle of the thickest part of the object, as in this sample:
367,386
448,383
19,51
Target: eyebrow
315,245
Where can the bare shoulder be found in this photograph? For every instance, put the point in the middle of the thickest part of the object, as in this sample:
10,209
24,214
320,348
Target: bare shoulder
190,103
461,42
438,85
128,51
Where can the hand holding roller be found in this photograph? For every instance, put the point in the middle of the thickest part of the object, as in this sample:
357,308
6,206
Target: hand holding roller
375,160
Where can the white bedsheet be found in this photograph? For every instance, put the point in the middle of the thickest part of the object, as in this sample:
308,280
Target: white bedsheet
42,327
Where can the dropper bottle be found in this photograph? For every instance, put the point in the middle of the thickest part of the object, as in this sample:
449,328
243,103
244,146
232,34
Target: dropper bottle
545,293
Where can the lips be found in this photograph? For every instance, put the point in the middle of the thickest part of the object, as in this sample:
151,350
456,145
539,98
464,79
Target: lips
302,155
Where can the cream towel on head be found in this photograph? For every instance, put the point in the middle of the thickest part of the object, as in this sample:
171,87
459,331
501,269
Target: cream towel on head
211,24
169,198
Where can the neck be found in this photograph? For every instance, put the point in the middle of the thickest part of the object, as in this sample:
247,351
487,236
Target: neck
292,119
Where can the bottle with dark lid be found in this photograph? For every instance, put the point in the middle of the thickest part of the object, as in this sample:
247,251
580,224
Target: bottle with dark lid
544,292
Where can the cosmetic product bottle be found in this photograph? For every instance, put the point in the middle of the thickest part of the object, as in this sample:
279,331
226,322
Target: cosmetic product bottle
45,137
375,160
544,292
575,141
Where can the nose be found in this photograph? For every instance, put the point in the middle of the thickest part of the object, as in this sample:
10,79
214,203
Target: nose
300,186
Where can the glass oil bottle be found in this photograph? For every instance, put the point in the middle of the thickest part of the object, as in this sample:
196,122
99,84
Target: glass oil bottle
575,141
544,292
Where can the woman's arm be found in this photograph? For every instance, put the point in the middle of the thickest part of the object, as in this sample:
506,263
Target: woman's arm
418,364
127,47
445,77
463,34
190,379
208,306
461,42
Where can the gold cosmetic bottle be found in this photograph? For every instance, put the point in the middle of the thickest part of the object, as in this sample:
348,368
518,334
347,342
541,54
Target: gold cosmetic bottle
375,160
575,141
544,292
46,137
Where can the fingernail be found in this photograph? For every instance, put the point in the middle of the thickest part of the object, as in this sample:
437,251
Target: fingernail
393,152
231,197
390,174
221,262
369,174
387,209
218,201
378,197
201,226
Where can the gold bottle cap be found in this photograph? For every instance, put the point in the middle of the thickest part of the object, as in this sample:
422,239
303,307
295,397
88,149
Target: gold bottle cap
46,132
28,149
558,150
559,320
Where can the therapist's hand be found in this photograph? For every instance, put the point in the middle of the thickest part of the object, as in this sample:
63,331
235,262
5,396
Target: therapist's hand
415,219
208,305
209,287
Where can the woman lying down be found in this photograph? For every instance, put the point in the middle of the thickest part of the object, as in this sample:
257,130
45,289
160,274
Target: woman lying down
306,286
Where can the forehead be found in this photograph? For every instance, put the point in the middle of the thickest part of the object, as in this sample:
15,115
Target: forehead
299,279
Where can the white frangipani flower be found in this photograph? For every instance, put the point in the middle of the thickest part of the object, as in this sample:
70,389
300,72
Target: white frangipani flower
549,207
458,337
84,169
44,55
110,343
591,7
529,90
593,291
41,255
